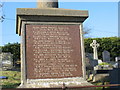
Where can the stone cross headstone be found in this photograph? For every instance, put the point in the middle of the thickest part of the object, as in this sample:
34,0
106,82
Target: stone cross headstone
106,56
95,45
52,46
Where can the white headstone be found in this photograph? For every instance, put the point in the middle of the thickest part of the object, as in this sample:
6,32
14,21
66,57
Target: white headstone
106,56
95,45
117,59
99,61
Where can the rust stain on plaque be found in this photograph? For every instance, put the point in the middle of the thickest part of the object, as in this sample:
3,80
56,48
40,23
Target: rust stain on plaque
53,51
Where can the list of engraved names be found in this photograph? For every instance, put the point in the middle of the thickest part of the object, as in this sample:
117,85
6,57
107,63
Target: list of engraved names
53,51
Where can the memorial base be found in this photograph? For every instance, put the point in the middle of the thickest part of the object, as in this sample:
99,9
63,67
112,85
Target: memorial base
55,83
51,47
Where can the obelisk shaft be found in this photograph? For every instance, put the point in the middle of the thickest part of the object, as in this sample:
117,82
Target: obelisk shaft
47,4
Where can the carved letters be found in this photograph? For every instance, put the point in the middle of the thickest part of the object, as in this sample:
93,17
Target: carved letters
53,51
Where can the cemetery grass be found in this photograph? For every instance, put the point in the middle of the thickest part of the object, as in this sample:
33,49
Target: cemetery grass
100,83
13,80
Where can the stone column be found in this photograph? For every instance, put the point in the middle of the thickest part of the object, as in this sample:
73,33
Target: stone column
47,4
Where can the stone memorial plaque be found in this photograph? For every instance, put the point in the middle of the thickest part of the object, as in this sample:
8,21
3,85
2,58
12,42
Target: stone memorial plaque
53,51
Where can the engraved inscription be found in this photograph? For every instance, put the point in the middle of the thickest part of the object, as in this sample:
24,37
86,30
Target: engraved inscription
53,51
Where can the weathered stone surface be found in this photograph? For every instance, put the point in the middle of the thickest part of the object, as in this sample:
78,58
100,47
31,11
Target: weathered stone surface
101,77
52,47
52,12
47,4
106,56
53,51
95,45
49,15
46,83
6,61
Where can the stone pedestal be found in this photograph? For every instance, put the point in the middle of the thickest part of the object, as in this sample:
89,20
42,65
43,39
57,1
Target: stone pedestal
52,50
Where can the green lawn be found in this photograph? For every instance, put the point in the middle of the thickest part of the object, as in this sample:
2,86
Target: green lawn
13,80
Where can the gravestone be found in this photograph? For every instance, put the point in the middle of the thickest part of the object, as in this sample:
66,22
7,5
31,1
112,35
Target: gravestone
6,61
117,59
115,77
95,45
115,73
106,56
90,61
89,56
99,61
52,47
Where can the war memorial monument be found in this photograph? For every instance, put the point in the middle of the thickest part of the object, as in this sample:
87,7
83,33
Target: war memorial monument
52,46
